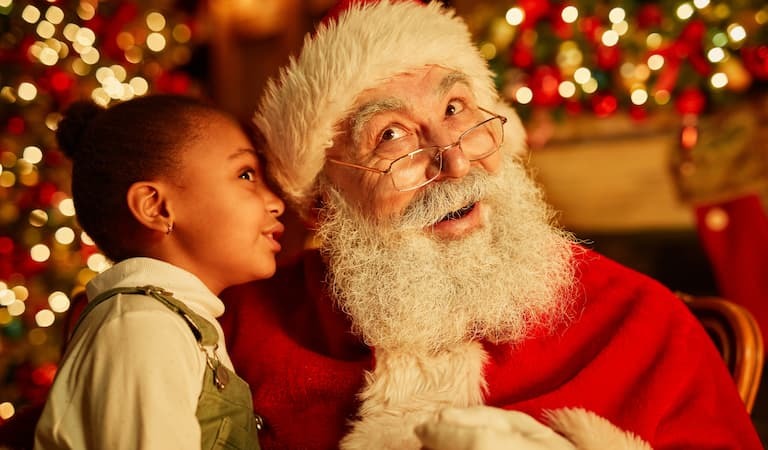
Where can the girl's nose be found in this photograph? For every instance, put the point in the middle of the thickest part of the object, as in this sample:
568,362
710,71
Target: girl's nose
274,204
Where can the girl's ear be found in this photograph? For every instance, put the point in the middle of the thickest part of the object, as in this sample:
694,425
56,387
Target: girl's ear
149,205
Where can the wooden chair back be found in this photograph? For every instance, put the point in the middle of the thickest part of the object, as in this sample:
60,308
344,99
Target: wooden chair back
737,336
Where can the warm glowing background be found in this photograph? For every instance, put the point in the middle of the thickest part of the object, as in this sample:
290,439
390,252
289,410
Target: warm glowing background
636,110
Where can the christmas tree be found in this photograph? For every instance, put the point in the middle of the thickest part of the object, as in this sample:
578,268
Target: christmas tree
53,53
596,57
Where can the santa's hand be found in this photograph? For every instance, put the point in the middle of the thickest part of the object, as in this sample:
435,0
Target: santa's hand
484,427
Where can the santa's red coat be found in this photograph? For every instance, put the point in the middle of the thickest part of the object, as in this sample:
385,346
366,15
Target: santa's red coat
634,355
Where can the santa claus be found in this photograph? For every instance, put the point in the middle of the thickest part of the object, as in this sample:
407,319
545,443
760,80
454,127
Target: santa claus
442,307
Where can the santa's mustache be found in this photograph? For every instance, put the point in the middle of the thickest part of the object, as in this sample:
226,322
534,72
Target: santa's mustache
445,200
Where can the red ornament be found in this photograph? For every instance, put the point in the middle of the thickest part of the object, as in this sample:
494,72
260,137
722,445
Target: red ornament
756,60
45,192
54,158
649,16
520,56
693,32
560,28
125,14
44,374
173,82
591,28
608,57
27,382
6,245
27,199
638,112
544,83
690,101
60,81
534,10
86,251
28,266
604,104
6,269
16,125
24,52
573,107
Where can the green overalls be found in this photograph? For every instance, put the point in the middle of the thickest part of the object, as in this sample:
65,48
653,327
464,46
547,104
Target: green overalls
225,408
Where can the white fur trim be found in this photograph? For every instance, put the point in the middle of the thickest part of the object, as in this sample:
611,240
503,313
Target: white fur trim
407,389
588,431
369,43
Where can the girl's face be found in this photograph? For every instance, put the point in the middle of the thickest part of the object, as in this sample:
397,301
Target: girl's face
225,224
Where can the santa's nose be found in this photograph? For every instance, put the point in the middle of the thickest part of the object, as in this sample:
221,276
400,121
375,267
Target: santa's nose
455,163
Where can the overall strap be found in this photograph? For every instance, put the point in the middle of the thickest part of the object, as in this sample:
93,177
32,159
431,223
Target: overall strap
204,332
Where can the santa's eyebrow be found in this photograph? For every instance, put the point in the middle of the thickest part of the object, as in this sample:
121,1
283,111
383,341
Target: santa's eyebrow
450,80
360,118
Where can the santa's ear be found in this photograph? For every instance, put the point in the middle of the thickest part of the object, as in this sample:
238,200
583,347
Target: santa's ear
148,203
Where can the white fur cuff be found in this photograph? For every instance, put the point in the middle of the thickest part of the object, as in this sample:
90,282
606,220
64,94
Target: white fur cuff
588,431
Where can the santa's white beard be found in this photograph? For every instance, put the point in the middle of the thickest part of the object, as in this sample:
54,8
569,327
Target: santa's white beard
406,289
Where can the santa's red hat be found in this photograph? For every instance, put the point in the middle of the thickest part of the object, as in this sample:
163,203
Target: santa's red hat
366,43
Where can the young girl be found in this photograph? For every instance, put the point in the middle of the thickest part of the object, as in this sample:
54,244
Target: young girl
172,191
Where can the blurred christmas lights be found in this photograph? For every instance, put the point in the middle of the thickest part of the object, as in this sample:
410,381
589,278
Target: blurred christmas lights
632,54
50,55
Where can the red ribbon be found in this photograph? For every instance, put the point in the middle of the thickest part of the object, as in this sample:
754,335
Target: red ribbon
688,47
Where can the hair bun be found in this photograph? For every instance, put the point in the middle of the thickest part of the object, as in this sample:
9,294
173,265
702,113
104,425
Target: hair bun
72,127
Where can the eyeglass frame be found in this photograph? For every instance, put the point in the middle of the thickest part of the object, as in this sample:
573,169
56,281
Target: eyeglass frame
440,150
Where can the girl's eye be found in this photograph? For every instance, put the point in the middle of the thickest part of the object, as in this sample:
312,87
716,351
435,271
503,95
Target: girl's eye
454,107
248,175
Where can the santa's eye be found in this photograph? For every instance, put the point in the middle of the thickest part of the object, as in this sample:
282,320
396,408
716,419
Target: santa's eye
454,107
391,134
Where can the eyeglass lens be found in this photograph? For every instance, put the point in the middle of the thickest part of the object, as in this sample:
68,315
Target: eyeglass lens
424,165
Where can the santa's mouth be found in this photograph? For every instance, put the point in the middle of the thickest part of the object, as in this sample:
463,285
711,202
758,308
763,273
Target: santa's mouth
458,214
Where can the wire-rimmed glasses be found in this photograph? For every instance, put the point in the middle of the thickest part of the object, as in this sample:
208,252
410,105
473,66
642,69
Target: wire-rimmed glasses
420,167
